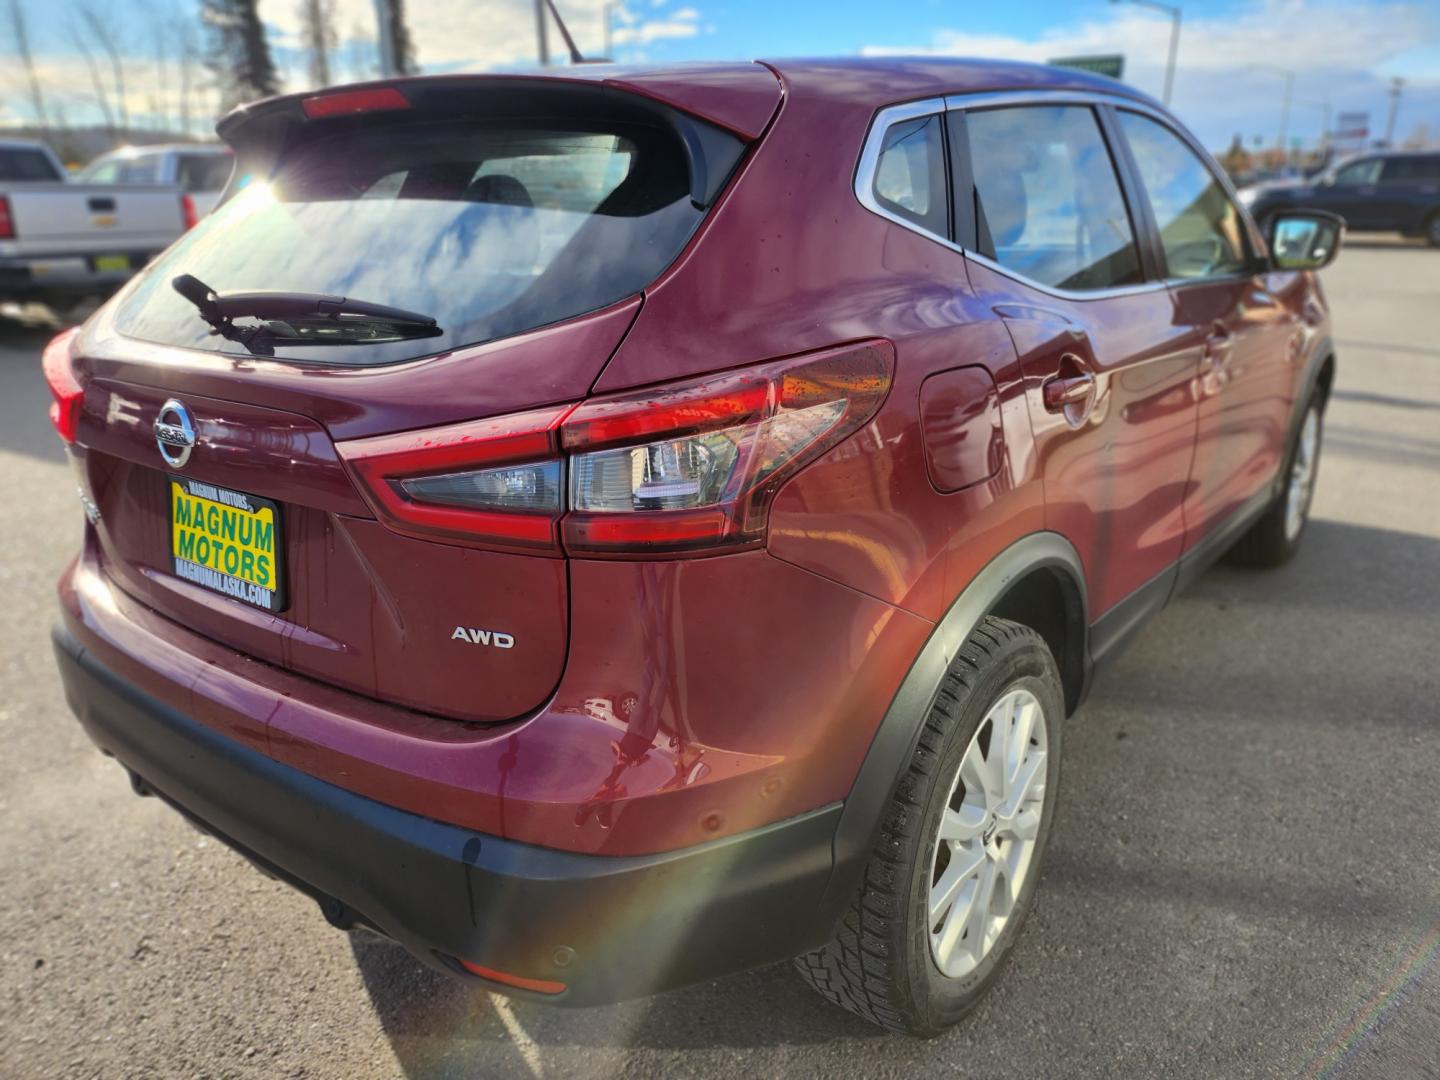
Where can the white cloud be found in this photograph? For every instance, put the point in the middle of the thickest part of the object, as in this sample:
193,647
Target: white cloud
1292,34
1230,72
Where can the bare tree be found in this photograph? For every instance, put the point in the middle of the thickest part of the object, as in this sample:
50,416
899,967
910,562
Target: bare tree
238,55
20,30
393,31
160,23
359,54
317,31
97,81
102,29
187,59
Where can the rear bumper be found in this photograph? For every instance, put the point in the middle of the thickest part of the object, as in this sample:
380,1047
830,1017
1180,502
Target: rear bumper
26,277
608,928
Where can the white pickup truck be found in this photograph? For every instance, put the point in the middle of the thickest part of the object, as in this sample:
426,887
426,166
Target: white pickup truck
61,241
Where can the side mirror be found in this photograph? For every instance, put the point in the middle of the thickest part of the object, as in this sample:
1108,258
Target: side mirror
1304,239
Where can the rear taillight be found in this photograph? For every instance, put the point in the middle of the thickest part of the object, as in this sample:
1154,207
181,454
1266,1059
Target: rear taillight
691,466
7,220
487,483
65,388
187,212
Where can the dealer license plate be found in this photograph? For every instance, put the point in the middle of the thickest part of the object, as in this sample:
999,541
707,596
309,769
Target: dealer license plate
228,542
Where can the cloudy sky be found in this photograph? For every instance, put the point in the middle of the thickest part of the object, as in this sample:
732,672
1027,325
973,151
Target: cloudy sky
1233,53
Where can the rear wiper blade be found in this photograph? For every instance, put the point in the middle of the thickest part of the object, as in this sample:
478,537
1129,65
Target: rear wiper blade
296,317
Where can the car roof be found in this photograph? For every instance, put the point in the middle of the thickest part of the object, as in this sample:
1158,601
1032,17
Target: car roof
742,95
884,80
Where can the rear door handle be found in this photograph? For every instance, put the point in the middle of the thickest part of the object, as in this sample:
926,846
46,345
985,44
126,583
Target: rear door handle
1071,390
1218,346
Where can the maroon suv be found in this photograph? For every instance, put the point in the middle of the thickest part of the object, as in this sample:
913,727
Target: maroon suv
610,528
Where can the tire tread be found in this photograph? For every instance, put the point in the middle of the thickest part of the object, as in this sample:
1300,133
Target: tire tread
856,969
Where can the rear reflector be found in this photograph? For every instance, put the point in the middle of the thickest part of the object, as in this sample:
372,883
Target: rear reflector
347,102
540,986
7,220
687,467
65,389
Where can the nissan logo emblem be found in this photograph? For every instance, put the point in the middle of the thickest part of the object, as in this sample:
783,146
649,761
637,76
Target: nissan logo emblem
175,433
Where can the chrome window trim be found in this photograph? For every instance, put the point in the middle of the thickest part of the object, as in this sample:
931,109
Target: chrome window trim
987,99
884,120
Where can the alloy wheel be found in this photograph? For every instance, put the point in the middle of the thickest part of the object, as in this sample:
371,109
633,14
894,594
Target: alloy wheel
1302,475
986,840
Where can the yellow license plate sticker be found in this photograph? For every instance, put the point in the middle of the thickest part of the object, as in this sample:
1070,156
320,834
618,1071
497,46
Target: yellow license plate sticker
226,541
109,263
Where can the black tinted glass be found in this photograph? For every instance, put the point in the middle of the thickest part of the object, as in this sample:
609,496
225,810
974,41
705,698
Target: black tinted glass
204,172
25,165
1413,170
910,174
490,229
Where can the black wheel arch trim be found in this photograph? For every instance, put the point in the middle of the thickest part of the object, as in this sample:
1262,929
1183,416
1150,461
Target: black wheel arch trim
900,728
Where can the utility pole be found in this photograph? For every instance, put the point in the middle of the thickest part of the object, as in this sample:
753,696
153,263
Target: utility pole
1285,116
607,11
1396,86
542,40
1174,13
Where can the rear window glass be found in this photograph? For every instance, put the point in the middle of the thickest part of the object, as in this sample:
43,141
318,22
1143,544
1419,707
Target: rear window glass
491,229
204,172
22,165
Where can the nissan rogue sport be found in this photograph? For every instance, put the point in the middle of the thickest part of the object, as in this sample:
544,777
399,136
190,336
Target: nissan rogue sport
608,528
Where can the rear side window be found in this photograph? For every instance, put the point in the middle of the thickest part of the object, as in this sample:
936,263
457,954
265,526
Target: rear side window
204,172
910,174
1359,173
1411,170
1200,228
491,228
1049,198
144,169
21,165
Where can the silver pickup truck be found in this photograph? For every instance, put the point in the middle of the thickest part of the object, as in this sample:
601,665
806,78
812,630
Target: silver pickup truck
61,241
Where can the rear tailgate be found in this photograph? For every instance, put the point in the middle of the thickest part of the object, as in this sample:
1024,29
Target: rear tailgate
78,219
524,218
362,607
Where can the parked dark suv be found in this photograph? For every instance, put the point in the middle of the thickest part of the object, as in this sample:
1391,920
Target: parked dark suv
614,527
1397,192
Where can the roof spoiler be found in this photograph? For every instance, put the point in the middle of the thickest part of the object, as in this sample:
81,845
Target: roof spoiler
262,132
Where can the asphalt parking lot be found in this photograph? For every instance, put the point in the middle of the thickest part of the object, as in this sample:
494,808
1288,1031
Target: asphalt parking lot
1244,879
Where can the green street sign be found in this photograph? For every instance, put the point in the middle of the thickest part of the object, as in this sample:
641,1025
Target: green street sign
1113,66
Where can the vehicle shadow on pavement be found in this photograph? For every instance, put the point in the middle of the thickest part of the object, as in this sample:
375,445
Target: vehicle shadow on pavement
440,1026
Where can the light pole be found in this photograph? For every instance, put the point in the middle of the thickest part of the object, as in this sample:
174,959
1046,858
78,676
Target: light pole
542,39
1285,115
1174,13
607,11
1396,86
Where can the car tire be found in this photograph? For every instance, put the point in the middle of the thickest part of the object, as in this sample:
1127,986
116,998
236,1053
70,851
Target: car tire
885,961
1275,538
1432,229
